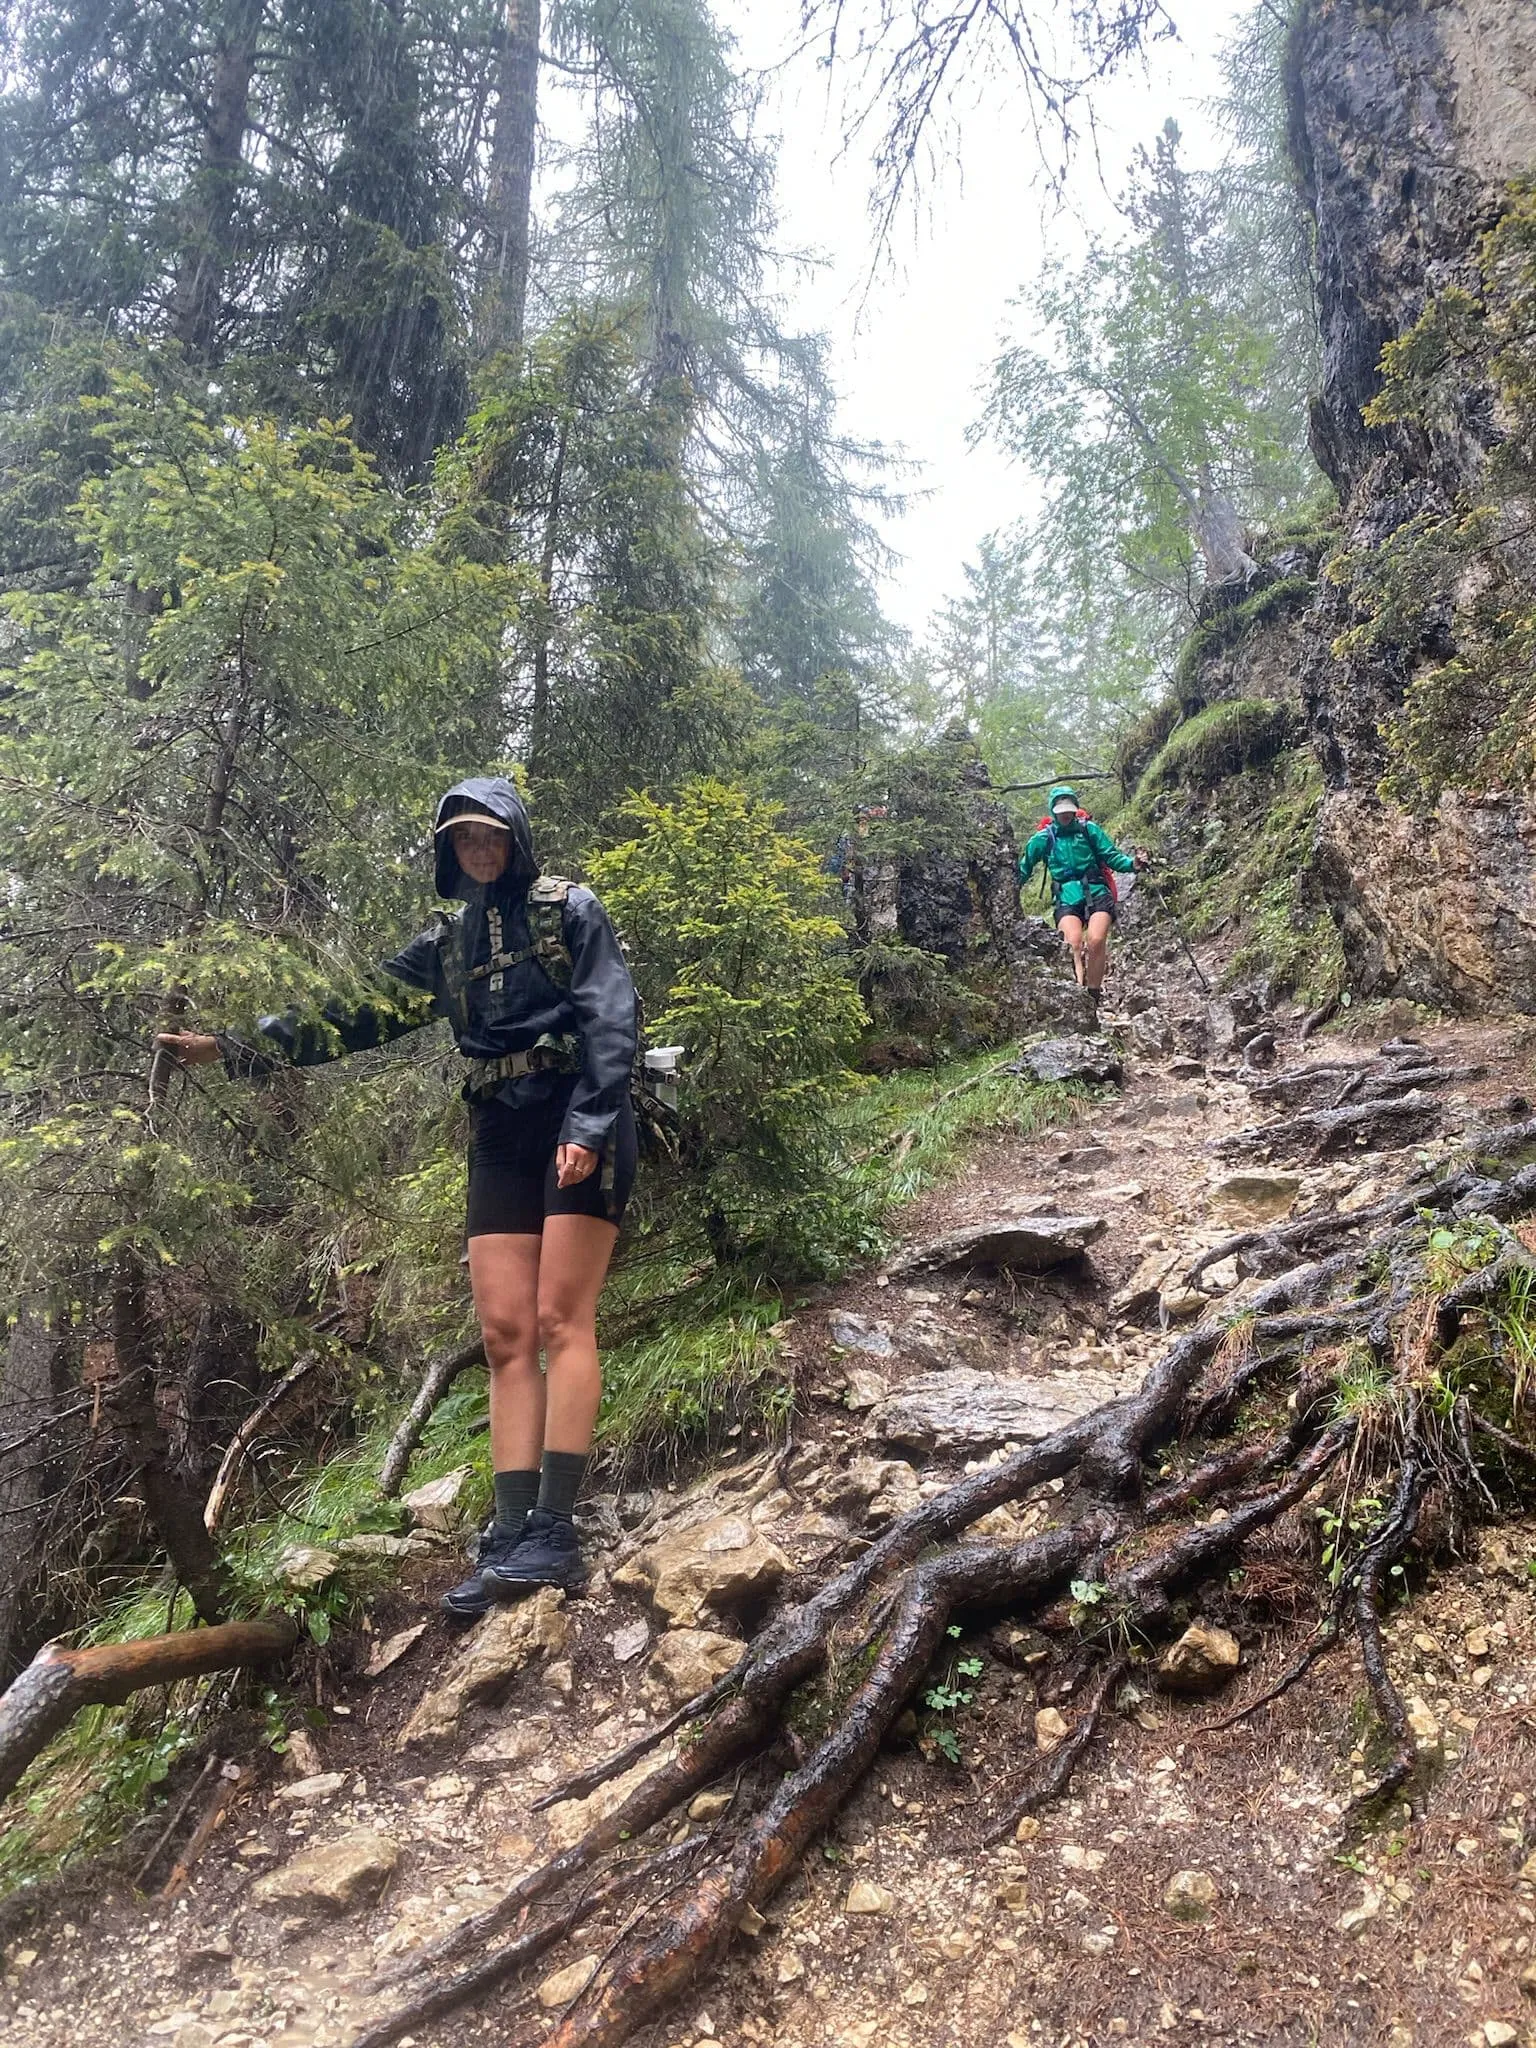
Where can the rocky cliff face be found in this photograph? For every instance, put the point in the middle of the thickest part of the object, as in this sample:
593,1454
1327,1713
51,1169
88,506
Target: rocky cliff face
1411,119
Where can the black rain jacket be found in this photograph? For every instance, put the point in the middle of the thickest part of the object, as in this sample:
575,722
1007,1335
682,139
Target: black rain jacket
599,1007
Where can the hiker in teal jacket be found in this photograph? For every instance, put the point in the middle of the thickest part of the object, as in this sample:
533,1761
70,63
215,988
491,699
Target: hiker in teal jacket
1078,856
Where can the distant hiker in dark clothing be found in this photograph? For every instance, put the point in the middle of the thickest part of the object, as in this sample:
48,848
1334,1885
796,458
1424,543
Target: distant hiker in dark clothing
1081,859
532,979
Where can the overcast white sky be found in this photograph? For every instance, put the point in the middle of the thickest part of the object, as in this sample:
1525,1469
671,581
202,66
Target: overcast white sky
911,349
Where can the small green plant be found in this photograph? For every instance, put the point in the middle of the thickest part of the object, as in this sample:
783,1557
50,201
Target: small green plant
947,1698
1342,1529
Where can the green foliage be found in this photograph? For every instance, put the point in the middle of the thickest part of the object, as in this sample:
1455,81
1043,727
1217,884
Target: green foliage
216,758
1223,740
739,959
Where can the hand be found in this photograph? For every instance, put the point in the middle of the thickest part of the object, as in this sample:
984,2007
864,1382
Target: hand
189,1048
574,1163
1142,858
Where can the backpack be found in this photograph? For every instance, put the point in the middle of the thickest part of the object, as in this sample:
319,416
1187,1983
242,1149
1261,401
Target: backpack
1047,825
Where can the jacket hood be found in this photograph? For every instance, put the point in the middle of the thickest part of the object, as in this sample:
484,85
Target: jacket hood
491,793
1060,790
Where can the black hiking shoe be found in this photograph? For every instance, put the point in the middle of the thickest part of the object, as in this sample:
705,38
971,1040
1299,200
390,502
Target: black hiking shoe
468,1601
548,1555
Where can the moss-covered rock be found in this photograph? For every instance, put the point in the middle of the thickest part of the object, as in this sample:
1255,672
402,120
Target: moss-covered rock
1224,739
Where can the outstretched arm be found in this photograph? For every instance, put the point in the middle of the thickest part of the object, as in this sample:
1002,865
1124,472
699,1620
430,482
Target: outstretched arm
1111,855
293,1040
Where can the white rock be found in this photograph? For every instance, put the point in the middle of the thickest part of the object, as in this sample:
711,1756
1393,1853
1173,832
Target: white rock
686,1662
561,1986
713,1566
1191,1894
1361,1915
307,1791
630,1641
439,1504
303,1566
393,1648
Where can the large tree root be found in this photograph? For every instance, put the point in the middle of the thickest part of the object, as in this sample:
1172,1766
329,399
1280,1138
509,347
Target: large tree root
59,1682
857,1651
1316,1132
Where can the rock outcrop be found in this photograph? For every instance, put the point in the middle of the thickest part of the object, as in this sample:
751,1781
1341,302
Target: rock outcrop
1412,121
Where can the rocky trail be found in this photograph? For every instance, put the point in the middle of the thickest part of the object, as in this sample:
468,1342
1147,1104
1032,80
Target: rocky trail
1042,1841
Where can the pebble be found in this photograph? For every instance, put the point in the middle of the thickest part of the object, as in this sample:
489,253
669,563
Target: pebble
791,1967
1191,1895
864,1897
561,1986
1051,1729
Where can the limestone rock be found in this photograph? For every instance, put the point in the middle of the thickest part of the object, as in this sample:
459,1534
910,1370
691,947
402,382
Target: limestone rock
864,1390
630,1641
1073,1059
508,1639
1151,1034
686,1662
388,1653
561,1986
309,1791
854,1490
518,1742
1201,1661
1191,1895
371,1548
303,1566
571,1819
1025,1244
1356,1917
706,1806
333,1877
864,1897
439,1505
1249,1198
713,1567
969,1411
860,1333
1145,1287
1051,1729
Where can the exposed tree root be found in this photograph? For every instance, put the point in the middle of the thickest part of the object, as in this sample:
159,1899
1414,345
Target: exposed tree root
1050,1778
1316,1132
858,1650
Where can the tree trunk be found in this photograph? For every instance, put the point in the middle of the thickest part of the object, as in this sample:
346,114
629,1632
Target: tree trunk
1219,532
28,1407
59,1682
173,1506
539,731
209,248
504,283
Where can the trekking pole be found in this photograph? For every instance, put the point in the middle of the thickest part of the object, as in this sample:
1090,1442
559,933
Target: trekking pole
1144,881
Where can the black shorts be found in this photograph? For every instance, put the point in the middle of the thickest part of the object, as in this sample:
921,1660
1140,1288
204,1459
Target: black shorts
1098,899
512,1169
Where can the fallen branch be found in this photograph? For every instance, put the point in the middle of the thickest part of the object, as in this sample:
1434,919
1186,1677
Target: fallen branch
243,1438
60,1681
439,1377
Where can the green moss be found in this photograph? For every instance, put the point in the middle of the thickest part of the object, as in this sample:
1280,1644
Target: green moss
1226,629
1224,739
1143,740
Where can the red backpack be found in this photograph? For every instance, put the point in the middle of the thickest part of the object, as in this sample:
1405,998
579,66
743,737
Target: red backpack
1047,825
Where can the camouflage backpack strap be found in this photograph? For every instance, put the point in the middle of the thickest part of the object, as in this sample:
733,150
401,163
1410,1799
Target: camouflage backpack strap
447,932
546,925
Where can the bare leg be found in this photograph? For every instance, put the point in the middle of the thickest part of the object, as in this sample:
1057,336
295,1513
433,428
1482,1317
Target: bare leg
570,1279
1096,951
1071,929
504,1276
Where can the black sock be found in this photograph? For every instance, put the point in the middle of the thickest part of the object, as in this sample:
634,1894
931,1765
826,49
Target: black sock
516,1493
560,1481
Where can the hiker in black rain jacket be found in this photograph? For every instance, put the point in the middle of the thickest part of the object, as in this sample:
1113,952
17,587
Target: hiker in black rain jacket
539,996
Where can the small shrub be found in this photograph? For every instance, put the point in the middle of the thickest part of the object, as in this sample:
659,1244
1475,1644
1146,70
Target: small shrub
739,959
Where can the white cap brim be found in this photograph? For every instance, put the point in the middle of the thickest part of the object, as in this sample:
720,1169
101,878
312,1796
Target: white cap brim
474,818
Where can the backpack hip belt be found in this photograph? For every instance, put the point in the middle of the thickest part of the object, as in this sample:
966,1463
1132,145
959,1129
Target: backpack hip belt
548,1055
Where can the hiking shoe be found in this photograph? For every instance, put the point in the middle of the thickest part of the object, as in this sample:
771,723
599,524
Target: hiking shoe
468,1601
549,1554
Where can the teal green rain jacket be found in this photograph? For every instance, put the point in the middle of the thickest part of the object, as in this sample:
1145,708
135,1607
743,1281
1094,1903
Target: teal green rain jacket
1075,858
